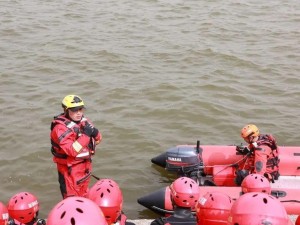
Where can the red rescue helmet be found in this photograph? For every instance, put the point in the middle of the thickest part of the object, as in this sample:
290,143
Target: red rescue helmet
256,183
96,187
76,211
109,198
184,192
23,207
255,208
213,209
3,214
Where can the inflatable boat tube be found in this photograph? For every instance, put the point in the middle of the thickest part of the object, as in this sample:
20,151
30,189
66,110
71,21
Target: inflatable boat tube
160,202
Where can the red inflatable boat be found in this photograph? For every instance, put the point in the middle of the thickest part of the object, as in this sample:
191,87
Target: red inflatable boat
217,163
214,167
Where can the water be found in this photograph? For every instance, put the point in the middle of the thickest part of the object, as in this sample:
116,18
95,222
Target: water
153,74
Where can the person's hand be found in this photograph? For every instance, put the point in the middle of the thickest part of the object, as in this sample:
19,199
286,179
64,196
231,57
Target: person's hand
95,132
88,129
242,150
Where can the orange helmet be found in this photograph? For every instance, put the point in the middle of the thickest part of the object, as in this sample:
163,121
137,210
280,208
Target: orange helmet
249,130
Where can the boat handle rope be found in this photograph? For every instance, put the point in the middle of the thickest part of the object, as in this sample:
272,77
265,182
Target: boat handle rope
230,165
97,178
296,201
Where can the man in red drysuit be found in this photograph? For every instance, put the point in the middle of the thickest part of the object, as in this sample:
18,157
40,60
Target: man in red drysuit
73,140
262,154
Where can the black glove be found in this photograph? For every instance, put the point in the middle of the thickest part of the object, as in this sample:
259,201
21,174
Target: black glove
88,129
242,150
95,132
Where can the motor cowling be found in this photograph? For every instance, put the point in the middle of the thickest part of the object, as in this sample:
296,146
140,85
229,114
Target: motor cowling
184,159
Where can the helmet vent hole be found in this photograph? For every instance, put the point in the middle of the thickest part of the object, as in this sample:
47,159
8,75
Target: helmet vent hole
265,200
73,221
63,214
79,210
101,195
108,190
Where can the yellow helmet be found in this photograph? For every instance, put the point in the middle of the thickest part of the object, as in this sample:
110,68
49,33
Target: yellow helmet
249,130
72,101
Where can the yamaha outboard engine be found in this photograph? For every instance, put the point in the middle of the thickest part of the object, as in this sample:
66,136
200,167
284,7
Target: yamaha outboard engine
184,159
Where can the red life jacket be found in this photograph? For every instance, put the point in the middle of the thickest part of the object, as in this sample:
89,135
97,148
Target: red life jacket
71,127
273,159
269,140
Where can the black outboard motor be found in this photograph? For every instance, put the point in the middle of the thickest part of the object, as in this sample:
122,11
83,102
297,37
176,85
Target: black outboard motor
185,160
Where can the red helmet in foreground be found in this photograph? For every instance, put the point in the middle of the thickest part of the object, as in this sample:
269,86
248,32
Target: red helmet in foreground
256,183
108,196
97,186
23,207
213,209
185,192
76,211
255,208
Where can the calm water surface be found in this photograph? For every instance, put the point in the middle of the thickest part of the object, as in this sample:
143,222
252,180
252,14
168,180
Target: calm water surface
153,74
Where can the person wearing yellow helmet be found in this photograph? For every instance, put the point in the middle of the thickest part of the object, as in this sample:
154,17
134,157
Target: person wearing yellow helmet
262,154
73,142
